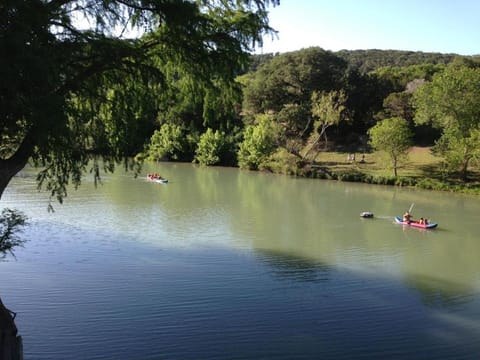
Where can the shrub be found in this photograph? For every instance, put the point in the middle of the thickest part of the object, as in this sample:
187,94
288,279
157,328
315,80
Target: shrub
170,142
259,143
211,148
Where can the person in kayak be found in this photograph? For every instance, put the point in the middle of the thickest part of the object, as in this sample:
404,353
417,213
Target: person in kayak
407,217
424,221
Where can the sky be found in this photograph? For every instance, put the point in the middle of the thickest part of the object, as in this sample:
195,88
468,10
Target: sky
444,26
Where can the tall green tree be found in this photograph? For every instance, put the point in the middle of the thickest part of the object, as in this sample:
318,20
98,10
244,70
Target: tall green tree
328,109
170,142
213,148
393,136
291,78
58,73
260,141
451,102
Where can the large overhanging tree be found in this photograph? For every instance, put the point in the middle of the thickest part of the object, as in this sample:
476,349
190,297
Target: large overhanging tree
70,75
451,102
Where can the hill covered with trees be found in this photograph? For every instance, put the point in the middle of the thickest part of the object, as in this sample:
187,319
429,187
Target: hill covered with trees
366,61
294,105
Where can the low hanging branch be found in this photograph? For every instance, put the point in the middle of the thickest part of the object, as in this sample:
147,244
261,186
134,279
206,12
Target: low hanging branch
11,223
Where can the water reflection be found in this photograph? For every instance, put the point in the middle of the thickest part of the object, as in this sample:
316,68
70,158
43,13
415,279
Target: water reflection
440,293
291,268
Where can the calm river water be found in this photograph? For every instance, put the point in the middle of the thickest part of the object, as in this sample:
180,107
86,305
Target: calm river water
225,264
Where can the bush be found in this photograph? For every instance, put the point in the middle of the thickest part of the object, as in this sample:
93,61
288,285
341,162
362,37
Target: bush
212,148
259,142
170,142
282,162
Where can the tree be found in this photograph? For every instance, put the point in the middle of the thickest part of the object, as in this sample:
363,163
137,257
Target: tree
63,94
393,136
328,109
259,142
170,142
290,78
398,104
212,147
451,102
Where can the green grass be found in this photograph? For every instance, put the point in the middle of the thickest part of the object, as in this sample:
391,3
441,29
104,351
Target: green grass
420,169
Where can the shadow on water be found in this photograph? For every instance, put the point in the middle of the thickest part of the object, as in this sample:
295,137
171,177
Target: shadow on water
440,293
290,267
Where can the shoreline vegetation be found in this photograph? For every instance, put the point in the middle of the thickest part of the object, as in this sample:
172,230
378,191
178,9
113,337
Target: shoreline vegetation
312,113
420,169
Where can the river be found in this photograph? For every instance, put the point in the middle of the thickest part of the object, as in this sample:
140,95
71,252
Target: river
228,264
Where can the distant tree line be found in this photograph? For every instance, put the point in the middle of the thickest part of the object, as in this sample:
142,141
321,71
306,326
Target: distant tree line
293,105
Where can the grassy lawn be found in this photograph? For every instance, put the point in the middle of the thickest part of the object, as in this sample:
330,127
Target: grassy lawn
419,160
420,165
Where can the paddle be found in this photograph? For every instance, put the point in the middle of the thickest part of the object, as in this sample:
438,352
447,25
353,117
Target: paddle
411,208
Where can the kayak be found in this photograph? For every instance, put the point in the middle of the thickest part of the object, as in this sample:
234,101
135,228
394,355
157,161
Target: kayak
399,220
157,179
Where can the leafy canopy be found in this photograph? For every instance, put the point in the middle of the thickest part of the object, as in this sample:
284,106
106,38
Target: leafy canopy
70,90
451,102
260,141
328,109
393,136
212,147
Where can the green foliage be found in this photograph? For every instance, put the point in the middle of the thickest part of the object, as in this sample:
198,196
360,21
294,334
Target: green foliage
459,151
400,76
393,136
451,102
11,224
369,60
70,95
259,143
290,78
282,162
294,119
328,109
170,142
213,148
398,104
284,85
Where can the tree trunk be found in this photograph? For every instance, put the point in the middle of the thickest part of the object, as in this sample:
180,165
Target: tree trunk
11,166
311,147
322,133
464,170
11,347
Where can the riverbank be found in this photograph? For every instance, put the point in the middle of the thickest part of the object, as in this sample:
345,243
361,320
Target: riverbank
420,169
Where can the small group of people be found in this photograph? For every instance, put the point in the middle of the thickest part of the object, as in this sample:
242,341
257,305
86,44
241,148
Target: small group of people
154,176
351,158
407,217
423,221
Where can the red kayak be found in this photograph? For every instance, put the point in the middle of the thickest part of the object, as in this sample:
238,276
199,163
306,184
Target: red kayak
413,223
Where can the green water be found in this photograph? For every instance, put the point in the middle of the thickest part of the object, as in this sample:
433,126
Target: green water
221,264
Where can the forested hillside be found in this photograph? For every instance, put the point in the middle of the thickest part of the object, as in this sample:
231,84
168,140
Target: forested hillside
368,60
